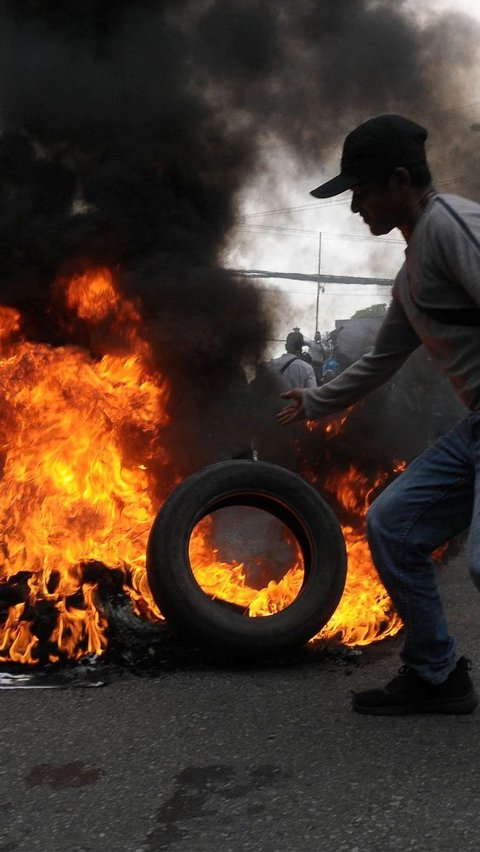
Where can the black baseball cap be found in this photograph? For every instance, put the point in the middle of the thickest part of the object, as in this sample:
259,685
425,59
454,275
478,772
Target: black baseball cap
376,148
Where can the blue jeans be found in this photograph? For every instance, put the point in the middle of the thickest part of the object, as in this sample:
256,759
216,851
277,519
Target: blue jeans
437,497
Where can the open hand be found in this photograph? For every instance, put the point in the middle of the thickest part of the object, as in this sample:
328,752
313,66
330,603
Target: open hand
295,411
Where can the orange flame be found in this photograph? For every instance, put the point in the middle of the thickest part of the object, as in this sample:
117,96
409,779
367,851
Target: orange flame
71,493
229,583
365,613
67,496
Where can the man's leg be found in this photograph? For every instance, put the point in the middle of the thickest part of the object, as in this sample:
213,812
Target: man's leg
425,507
473,549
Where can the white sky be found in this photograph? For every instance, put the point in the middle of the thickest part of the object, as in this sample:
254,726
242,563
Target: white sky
289,241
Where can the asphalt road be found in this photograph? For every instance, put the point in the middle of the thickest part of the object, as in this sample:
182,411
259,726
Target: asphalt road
259,759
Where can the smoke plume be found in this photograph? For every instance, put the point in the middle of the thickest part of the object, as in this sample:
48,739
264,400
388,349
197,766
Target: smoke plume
128,130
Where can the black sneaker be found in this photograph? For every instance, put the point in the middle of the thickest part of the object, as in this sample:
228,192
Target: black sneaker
409,693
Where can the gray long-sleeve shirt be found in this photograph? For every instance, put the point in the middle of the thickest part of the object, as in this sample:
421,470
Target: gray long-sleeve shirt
297,373
441,271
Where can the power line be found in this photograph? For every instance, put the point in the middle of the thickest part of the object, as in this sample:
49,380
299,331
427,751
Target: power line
301,207
331,235
323,204
275,210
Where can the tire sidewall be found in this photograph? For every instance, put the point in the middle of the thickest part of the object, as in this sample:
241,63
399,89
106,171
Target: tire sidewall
286,496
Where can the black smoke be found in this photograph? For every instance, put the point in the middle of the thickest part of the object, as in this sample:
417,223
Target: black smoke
128,129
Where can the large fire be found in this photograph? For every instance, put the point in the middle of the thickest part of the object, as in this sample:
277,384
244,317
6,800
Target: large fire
71,494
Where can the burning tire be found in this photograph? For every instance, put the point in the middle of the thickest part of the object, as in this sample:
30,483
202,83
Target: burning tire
278,492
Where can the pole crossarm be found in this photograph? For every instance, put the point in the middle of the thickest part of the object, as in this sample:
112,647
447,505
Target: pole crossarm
318,278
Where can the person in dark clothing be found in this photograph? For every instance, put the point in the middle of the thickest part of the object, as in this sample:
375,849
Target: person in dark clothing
436,302
317,355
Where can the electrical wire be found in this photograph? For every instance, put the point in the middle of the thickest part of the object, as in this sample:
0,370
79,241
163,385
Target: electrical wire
324,204
330,235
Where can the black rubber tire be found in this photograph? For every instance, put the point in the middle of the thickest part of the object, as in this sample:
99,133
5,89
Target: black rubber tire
281,493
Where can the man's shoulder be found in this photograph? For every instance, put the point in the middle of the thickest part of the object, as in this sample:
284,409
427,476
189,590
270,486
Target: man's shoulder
450,217
457,200
450,206
301,363
279,360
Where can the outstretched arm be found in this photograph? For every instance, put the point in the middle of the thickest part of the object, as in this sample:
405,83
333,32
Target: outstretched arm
395,342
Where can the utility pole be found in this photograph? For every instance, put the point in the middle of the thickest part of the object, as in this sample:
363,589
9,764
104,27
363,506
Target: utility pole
319,286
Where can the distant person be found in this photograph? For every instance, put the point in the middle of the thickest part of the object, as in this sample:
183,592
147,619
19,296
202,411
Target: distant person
317,354
436,302
271,377
331,366
330,369
292,369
